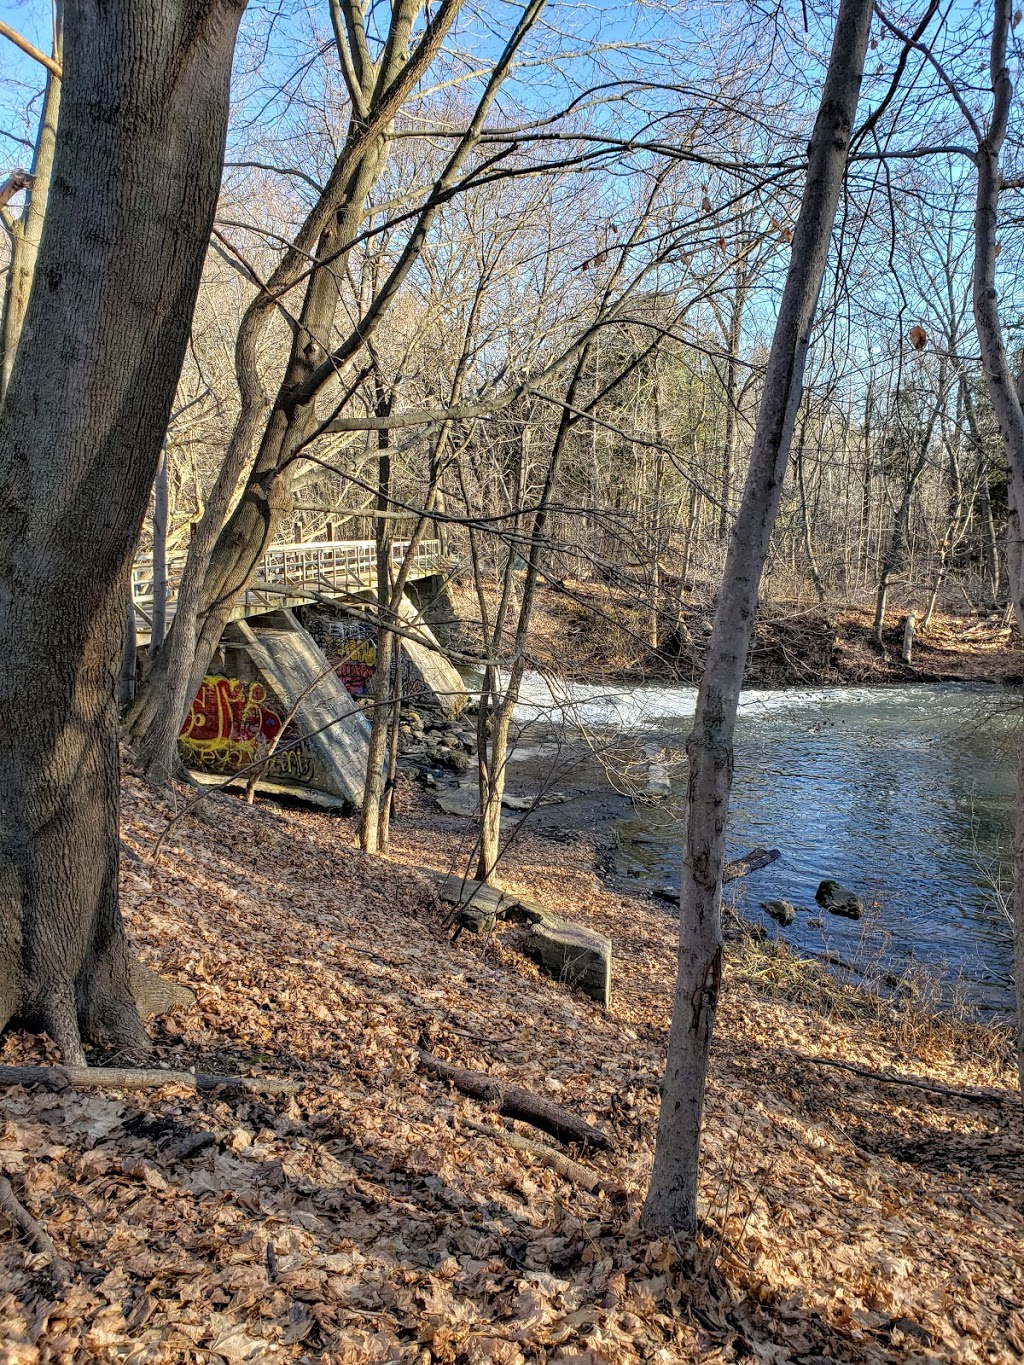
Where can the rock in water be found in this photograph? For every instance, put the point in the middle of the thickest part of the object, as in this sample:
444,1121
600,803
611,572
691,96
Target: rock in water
575,955
781,911
837,900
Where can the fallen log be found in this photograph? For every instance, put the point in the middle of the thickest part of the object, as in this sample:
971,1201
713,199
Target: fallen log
34,1233
516,1103
561,1164
739,867
132,1078
978,1096
750,862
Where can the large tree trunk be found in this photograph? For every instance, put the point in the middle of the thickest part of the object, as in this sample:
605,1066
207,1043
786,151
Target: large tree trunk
671,1205
145,98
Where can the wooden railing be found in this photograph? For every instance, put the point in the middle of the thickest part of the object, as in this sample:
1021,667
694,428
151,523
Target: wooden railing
290,572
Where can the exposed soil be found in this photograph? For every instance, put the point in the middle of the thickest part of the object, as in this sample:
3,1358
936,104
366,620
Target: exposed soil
364,1220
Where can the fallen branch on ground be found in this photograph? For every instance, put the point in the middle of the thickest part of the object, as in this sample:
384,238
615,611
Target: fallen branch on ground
516,1103
572,1171
131,1078
980,1096
33,1232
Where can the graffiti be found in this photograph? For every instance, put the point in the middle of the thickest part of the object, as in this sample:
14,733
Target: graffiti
294,765
351,646
355,664
230,726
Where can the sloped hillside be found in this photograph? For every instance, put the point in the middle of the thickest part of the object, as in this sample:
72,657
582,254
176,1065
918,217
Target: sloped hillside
369,1218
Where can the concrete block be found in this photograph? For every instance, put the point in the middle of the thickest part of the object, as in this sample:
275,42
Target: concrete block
579,957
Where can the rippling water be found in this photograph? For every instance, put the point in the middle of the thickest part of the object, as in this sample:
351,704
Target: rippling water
904,794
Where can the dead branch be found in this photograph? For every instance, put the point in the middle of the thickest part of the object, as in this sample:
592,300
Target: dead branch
33,1232
979,1096
563,1165
516,1103
131,1078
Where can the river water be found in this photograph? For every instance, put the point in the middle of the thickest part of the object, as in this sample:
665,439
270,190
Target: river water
903,794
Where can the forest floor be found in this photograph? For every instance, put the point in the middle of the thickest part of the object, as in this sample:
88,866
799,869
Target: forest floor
590,630
846,1219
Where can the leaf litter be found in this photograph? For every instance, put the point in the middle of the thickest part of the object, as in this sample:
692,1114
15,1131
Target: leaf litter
367,1218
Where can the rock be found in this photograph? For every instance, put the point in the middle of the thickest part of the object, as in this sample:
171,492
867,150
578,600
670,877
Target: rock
465,800
577,956
659,786
780,911
532,802
478,907
837,900
449,758
816,923
476,918
536,914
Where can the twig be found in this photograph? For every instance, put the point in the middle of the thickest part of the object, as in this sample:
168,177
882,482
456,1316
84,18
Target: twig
131,1078
979,1096
34,1233
516,1103
570,1170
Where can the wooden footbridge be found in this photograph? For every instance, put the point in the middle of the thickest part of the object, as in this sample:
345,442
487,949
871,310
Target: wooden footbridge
292,575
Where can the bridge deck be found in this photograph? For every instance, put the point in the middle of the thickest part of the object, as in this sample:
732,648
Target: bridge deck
292,575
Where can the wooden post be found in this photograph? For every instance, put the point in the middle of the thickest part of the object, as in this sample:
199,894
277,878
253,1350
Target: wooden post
908,637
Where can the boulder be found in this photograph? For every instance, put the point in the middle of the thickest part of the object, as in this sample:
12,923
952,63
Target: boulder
837,900
780,911
577,956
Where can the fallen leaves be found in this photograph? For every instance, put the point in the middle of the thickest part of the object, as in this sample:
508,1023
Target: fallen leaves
362,1221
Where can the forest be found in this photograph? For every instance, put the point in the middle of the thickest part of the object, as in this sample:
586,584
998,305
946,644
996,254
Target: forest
474,475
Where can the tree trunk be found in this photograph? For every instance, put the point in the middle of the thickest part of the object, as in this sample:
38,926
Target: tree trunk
989,543
805,519
671,1205
145,98
29,228
161,516
227,559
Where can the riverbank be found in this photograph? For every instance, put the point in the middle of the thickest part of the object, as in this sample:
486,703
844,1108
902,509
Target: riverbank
584,631
369,1218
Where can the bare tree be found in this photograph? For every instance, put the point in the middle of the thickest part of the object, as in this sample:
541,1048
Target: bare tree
671,1204
225,554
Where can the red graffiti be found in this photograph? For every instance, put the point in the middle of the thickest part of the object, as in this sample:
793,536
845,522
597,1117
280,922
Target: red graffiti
228,726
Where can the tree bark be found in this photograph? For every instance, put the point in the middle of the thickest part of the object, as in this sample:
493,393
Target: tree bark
671,1205
146,98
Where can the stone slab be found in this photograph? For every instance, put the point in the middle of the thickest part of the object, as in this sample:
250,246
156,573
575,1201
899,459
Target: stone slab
579,957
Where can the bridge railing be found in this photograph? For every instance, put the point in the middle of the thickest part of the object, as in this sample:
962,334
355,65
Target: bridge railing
324,566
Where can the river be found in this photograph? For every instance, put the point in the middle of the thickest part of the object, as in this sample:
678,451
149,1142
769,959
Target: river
904,794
